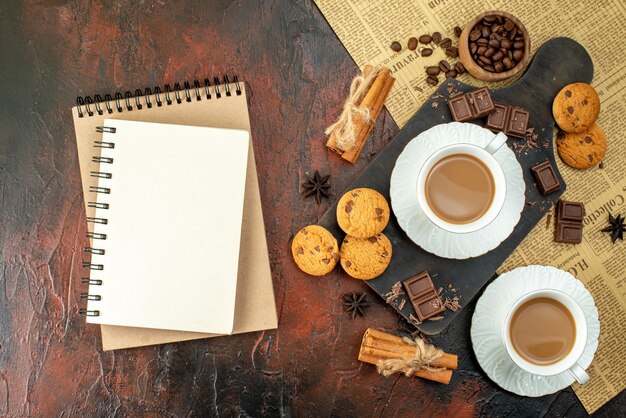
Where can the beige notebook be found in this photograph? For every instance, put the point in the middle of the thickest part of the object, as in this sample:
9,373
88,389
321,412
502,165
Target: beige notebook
218,106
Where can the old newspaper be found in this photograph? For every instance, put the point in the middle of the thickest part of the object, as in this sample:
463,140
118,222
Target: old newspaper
368,27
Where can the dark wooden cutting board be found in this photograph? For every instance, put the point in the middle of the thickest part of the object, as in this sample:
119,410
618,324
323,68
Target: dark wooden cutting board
558,62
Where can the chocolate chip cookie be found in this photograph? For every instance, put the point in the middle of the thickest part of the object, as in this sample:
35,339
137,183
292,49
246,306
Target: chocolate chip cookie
315,250
365,258
576,107
362,213
582,150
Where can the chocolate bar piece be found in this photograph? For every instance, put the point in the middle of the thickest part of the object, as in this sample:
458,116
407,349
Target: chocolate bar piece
569,222
569,233
511,120
423,296
546,178
471,105
481,99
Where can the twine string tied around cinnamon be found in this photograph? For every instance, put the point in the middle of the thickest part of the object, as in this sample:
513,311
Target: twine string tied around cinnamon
425,355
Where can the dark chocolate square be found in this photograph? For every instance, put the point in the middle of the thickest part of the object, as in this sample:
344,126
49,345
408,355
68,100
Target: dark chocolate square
546,178
568,232
461,108
481,99
419,285
496,121
570,211
518,122
428,306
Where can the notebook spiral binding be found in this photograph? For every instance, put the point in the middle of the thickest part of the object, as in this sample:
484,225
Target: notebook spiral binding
97,190
88,106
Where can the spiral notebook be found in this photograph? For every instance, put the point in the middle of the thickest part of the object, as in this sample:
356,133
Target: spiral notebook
212,104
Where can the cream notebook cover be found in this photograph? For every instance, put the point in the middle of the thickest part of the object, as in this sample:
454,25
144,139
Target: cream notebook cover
255,306
173,266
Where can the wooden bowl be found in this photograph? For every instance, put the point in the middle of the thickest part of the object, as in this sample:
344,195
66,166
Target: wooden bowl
473,68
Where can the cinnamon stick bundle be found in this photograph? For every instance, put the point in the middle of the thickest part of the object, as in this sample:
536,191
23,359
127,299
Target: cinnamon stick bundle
362,121
378,346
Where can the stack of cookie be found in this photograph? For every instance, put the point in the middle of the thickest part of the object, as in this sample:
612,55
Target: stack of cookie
581,143
365,252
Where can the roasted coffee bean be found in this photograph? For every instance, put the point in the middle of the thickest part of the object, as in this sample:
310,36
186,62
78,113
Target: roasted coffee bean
497,56
459,68
426,52
436,37
508,64
432,70
473,48
426,39
489,18
452,51
482,41
489,52
496,36
498,67
485,31
497,29
500,19
508,24
512,33
484,59
474,34
494,43
458,31
444,66
505,43
395,45
518,45
518,54
479,62
445,42
489,68
509,54
432,80
475,56
451,74
412,44
481,50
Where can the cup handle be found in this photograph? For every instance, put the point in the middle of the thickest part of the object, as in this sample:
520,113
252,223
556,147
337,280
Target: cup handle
496,142
579,374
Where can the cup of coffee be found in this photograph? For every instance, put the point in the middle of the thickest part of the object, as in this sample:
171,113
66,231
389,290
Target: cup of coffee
461,187
545,333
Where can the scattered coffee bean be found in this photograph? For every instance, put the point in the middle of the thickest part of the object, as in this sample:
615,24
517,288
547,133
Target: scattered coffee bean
451,73
436,37
412,44
458,31
444,66
426,39
426,52
459,68
433,70
432,80
395,45
452,51
445,43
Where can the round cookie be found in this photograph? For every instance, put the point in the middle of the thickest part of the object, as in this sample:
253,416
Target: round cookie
315,250
365,258
582,150
362,213
576,107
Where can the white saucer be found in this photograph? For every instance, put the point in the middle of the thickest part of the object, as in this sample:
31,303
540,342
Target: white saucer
412,219
491,310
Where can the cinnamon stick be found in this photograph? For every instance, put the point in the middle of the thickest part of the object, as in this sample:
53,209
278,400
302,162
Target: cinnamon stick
443,376
332,140
365,127
378,339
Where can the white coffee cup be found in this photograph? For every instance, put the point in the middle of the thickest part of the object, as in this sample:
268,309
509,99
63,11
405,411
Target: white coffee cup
485,155
568,363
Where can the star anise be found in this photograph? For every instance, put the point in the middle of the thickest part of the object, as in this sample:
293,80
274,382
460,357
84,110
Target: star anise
616,228
355,304
317,186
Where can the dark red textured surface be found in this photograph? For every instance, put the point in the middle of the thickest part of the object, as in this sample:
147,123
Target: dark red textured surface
51,363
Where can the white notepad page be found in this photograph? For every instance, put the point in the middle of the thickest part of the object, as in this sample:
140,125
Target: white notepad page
173,266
